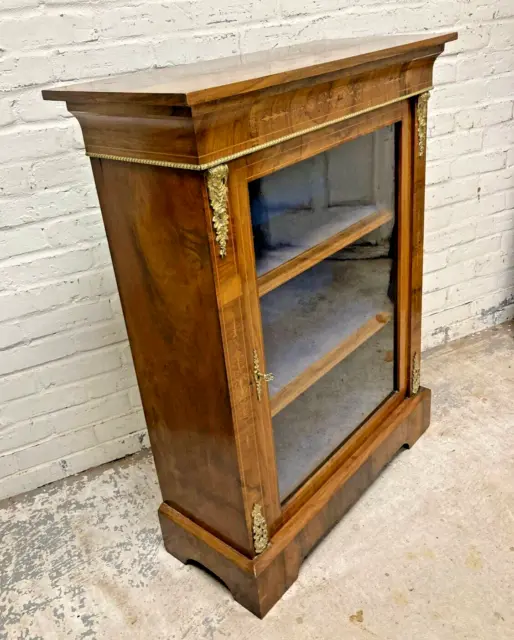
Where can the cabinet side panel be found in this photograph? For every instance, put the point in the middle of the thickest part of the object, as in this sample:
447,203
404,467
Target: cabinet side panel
159,244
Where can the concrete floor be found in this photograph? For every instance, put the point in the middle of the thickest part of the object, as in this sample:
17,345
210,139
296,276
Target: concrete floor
427,553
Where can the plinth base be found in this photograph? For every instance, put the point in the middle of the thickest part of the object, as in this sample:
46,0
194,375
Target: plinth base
258,583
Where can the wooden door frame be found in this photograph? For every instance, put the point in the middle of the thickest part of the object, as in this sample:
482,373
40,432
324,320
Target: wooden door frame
265,162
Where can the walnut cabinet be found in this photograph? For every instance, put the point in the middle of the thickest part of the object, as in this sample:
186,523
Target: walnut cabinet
265,219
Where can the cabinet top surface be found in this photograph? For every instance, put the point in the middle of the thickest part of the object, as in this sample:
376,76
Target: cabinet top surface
209,80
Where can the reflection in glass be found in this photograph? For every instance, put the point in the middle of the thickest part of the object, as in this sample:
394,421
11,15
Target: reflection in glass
302,205
329,322
309,429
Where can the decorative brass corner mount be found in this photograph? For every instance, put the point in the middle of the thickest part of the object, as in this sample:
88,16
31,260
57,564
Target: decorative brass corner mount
421,116
415,374
218,197
258,375
259,529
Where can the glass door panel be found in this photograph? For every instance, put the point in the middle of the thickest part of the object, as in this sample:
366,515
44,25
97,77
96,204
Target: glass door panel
312,427
320,205
325,246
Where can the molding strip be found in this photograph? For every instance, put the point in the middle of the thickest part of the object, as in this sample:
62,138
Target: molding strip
259,147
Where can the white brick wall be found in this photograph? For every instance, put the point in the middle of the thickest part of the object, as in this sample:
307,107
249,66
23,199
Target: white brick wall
68,399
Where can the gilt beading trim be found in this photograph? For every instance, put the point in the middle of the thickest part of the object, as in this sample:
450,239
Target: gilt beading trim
264,145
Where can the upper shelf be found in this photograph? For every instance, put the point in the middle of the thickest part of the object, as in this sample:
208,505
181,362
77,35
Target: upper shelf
201,82
304,239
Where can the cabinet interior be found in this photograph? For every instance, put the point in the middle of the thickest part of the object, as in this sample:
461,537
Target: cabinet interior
324,238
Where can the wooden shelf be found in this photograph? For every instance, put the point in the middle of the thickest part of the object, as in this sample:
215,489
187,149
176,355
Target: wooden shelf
305,238
310,429
314,321
322,366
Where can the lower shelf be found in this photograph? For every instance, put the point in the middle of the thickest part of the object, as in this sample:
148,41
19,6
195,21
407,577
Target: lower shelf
309,429
306,318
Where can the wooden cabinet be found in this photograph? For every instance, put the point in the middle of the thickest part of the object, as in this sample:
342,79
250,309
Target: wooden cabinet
265,221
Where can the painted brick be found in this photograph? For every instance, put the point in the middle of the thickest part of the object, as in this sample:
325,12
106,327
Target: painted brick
21,435
29,107
479,286
500,87
457,95
507,243
18,4
497,181
471,38
454,145
475,249
26,70
503,221
492,263
435,301
434,323
14,179
484,115
93,412
49,29
126,22
501,34
450,237
492,303
459,213
22,240
435,261
8,465
63,397
438,172
36,143
106,451
68,393
135,397
36,353
122,426
6,112
55,447
39,404
75,229
499,136
445,71
185,49
481,65
10,335
31,479
65,291
449,192
53,266
453,274
18,385
65,318
478,163
440,123
45,204
70,64
493,10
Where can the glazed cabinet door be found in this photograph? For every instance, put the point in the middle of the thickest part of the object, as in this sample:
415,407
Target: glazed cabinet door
326,230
